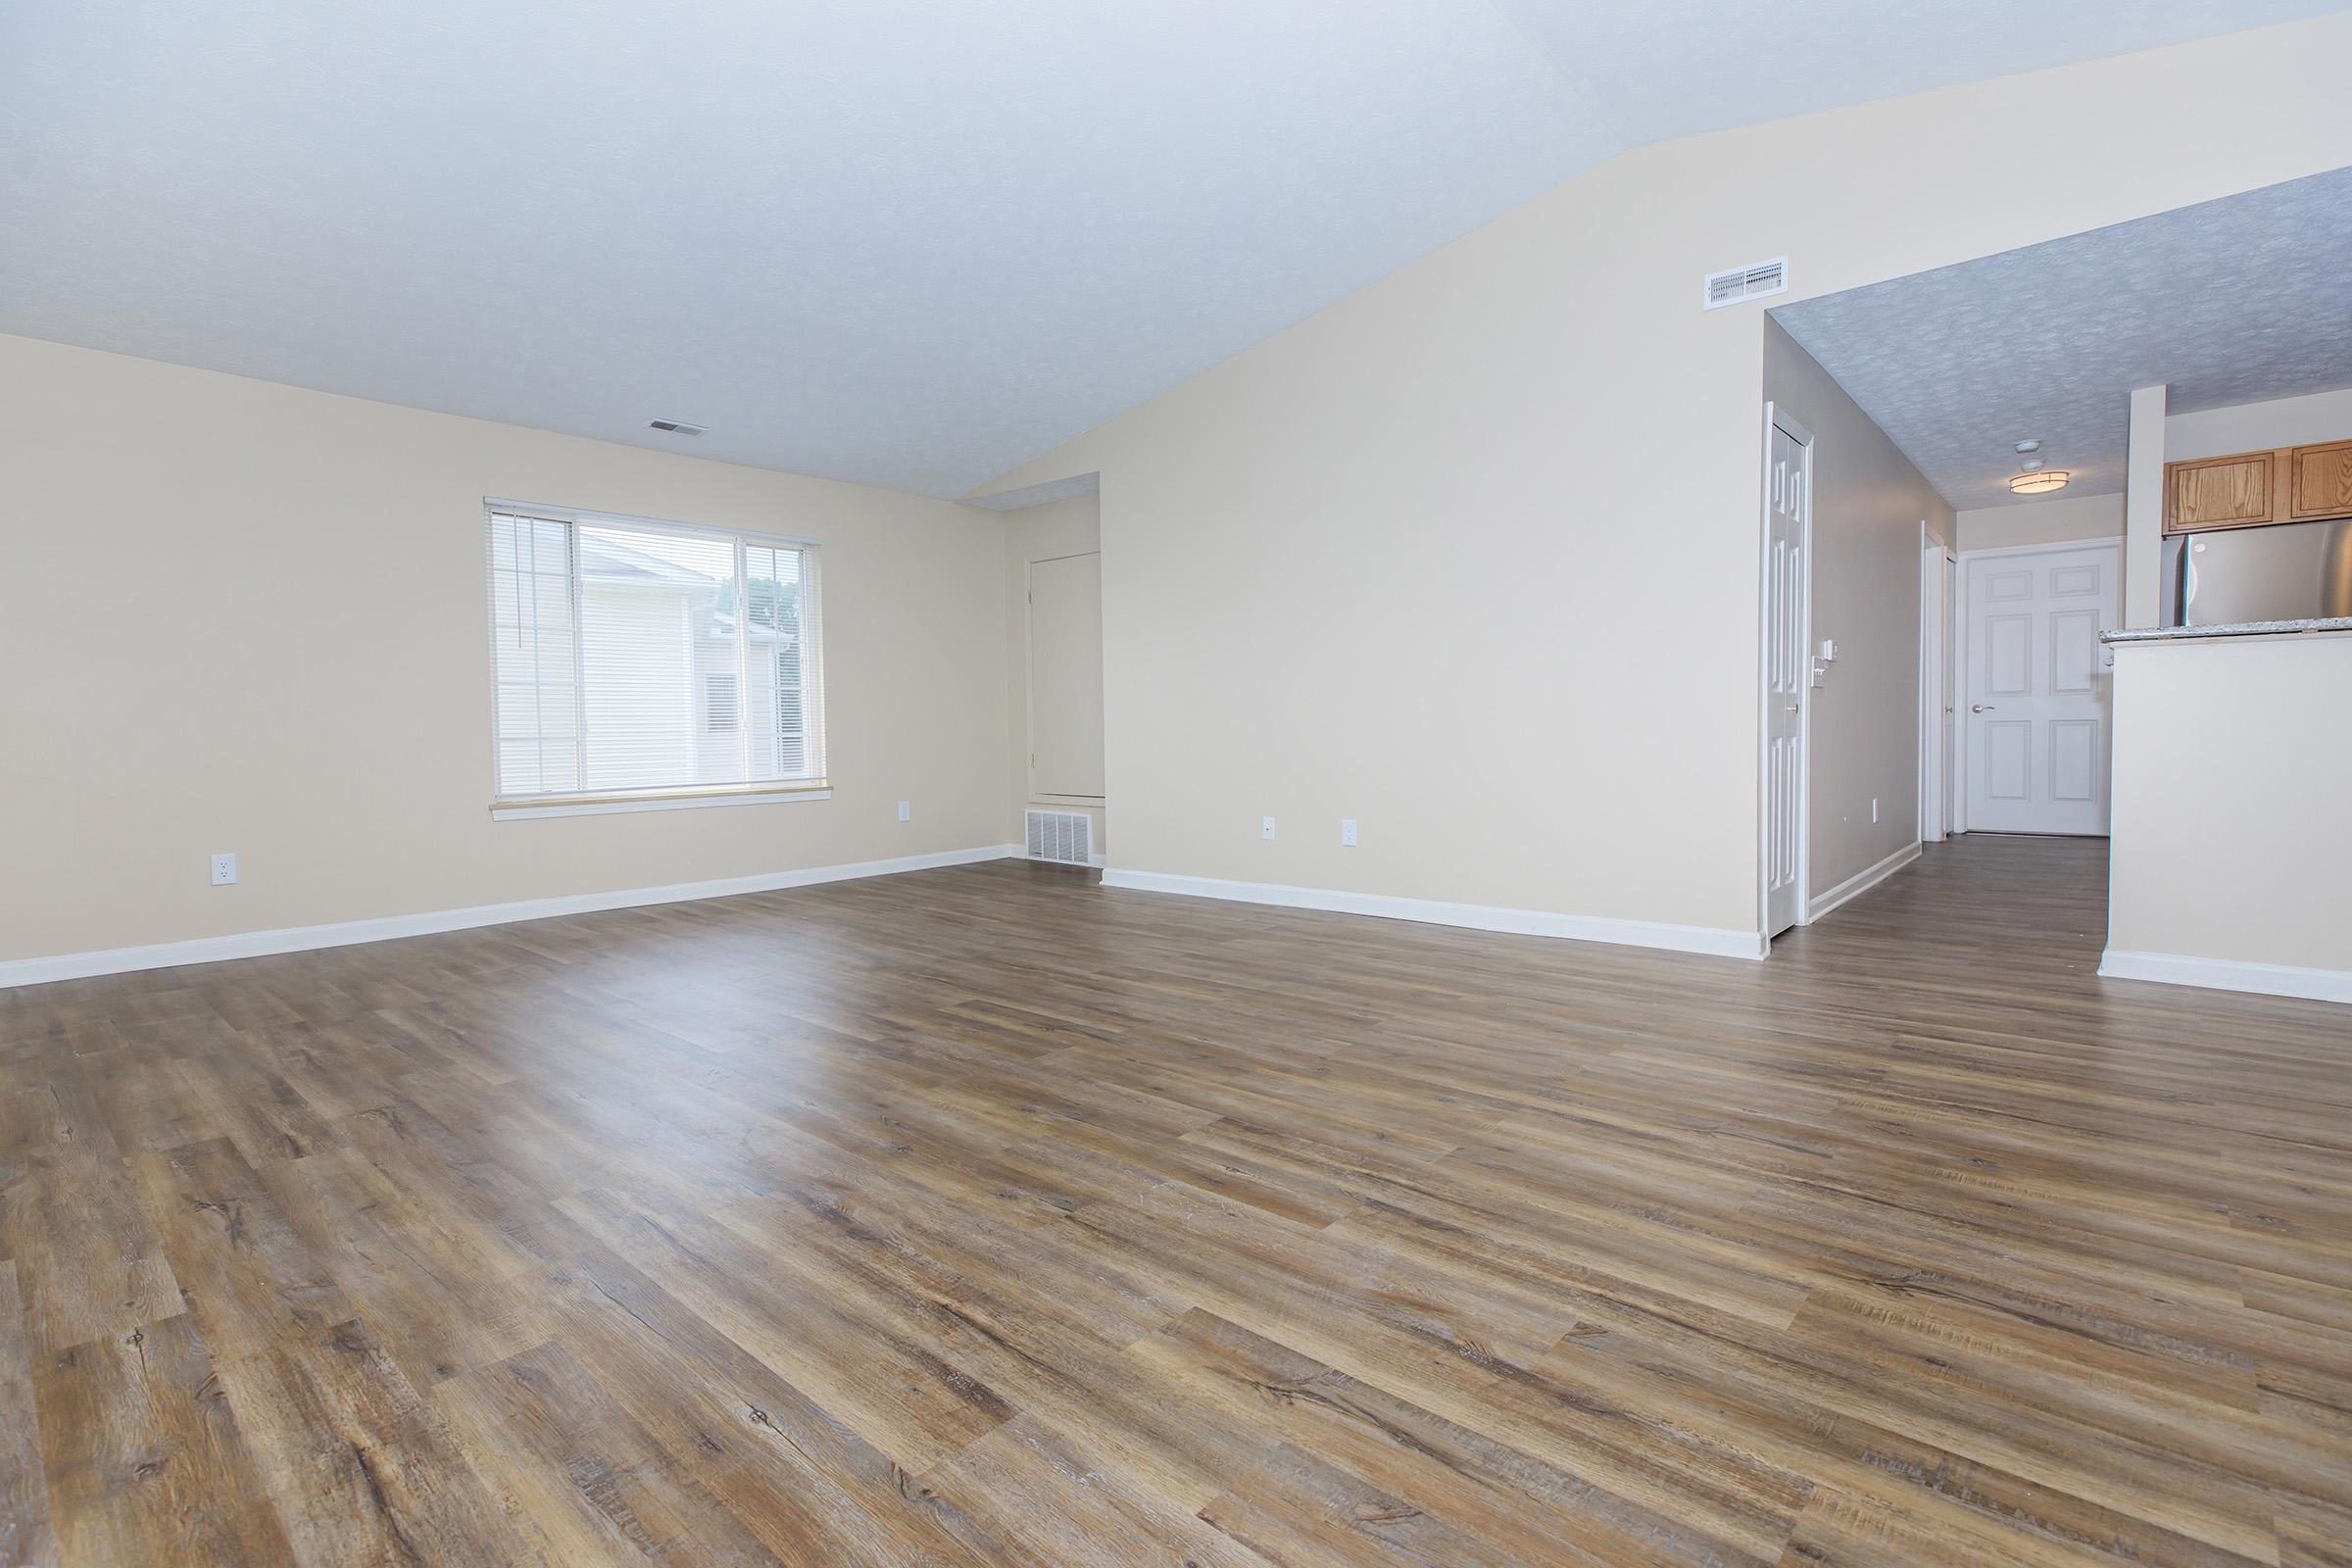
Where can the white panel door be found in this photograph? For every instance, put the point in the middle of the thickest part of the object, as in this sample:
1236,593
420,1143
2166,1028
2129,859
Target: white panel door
2038,692
1065,676
1785,666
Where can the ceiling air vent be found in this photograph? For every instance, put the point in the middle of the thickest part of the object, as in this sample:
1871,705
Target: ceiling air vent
681,427
1066,838
1748,283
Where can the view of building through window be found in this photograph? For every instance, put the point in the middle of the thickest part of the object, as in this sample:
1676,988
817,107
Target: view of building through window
634,658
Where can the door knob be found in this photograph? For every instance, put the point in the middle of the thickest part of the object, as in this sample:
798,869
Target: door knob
1792,708
1980,707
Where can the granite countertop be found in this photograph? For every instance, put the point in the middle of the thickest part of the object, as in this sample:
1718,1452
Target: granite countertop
2243,628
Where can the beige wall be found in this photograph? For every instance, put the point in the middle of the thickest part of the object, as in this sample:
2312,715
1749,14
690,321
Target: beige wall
2059,520
240,616
1472,554
1868,504
2253,427
1040,533
2231,762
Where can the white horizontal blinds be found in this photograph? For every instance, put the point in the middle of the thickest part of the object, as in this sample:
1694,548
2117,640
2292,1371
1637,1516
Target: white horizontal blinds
531,637
682,660
781,611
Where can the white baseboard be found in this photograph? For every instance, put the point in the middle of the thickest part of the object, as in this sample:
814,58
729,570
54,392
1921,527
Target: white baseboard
345,933
2227,974
1718,942
1861,882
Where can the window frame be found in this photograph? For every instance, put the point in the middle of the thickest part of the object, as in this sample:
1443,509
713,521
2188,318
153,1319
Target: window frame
589,803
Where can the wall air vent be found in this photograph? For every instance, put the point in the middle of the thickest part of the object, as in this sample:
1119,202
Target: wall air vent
681,427
1747,284
1065,837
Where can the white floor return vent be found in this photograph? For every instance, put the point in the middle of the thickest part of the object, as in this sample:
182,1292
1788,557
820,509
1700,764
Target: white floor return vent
1066,838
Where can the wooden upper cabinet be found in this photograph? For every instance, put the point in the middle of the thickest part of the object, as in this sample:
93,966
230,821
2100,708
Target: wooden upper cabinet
2320,481
2293,484
2233,492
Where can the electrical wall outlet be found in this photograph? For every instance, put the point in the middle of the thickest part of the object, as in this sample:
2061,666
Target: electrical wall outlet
905,811
225,870
1348,832
1267,830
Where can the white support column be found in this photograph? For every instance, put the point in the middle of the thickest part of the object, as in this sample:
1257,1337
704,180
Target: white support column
2143,510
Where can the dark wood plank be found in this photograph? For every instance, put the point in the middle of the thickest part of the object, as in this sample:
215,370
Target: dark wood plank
24,1536
143,1455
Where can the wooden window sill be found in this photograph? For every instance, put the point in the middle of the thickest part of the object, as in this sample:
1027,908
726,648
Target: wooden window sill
663,801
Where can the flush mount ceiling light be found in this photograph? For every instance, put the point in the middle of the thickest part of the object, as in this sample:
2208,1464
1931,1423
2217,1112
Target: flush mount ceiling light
2040,484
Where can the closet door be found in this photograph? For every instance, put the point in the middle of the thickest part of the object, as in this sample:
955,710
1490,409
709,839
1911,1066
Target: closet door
1065,676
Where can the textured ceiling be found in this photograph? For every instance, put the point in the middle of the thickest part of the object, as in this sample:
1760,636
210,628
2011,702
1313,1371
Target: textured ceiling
2230,301
908,242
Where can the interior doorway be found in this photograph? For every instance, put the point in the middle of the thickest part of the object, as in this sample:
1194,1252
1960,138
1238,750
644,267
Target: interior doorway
1938,602
1787,663
2034,753
1065,677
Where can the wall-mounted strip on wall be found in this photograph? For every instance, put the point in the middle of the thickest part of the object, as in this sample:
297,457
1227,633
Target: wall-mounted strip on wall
393,927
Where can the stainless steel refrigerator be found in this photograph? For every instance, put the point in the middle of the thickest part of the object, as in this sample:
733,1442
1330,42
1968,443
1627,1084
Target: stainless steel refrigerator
2283,572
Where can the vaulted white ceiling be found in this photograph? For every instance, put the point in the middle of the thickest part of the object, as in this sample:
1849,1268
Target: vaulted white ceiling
906,242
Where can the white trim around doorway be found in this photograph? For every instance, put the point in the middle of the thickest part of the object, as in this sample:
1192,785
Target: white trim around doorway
1938,576
1804,719
1957,781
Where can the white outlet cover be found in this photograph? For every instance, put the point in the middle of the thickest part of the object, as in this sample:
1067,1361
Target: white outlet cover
1267,831
1348,832
225,870
905,811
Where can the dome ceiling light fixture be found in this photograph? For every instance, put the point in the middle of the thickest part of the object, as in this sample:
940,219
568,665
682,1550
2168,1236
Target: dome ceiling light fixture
2032,478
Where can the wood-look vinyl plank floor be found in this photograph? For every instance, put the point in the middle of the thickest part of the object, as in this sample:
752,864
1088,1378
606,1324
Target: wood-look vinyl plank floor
986,1215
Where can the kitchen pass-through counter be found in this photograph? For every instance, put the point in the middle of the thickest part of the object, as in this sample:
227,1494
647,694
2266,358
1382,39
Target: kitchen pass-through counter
2231,828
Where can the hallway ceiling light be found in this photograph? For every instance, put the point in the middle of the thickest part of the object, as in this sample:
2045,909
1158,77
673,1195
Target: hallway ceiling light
2040,484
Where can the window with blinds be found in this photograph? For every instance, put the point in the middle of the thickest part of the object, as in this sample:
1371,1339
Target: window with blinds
636,659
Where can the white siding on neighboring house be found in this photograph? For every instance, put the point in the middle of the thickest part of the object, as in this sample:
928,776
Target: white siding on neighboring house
638,658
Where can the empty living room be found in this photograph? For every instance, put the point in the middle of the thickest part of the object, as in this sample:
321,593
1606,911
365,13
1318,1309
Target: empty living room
1455,782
